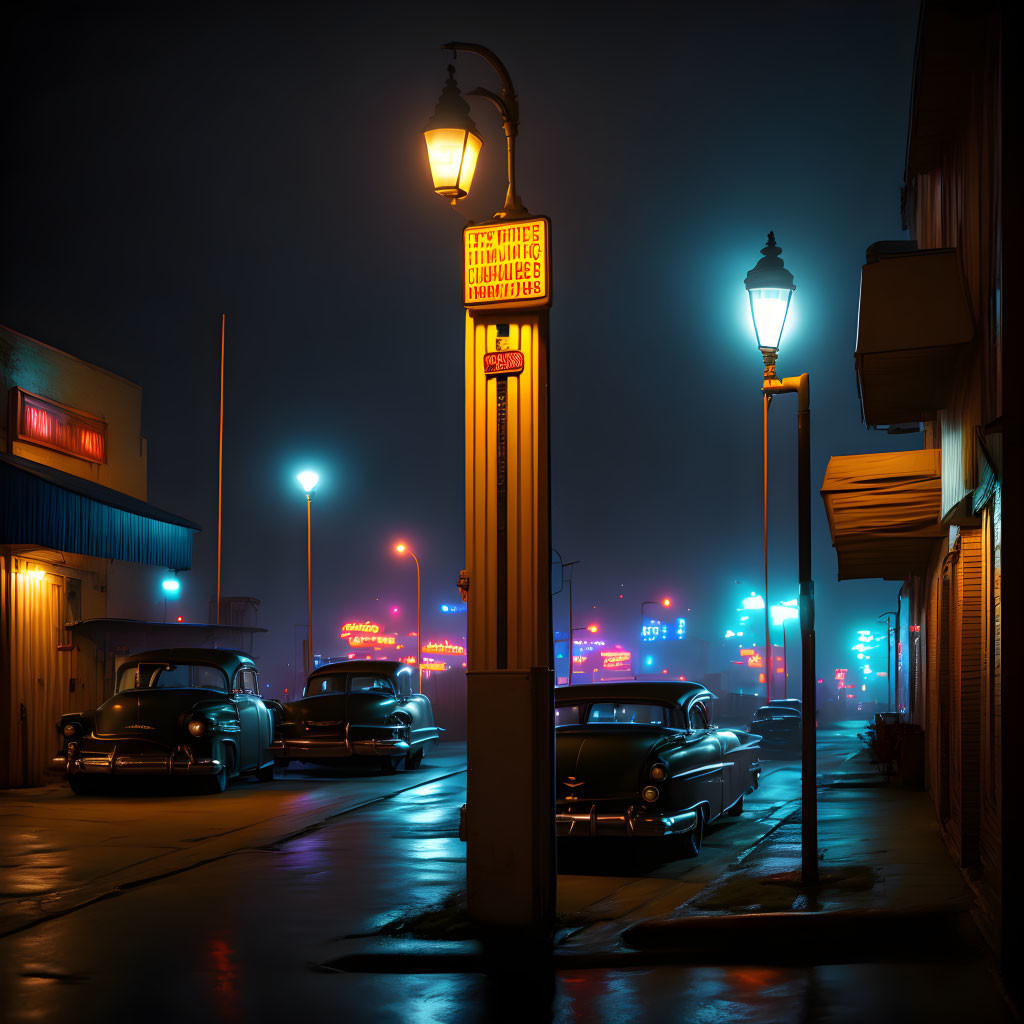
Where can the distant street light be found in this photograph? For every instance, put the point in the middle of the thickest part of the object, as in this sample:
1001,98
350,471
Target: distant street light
665,602
171,587
770,288
403,549
308,481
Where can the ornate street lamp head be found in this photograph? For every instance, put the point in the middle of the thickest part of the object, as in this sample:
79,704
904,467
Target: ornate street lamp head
770,287
453,143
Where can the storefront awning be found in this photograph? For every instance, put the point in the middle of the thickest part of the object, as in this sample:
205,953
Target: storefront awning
914,323
47,508
884,512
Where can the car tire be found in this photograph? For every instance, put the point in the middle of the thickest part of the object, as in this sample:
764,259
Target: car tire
414,760
737,808
389,765
219,782
694,839
82,785
266,773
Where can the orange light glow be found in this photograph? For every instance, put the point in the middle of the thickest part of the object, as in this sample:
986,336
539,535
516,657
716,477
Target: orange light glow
666,602
592,628
360,627
761,677
37,574
755,662
400,548
433,666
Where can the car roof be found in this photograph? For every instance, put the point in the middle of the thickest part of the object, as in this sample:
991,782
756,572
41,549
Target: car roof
777,709
665,693
228,660
364,665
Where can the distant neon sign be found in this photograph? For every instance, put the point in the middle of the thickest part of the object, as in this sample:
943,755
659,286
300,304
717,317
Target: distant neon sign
616,659
58,427
435,647
360,627
433,666
361,640
755,662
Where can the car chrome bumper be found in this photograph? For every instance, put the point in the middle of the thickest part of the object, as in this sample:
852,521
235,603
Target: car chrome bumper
632,823
133,764
313,749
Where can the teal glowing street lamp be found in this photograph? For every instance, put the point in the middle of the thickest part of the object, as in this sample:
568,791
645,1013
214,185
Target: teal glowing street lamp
770,289
308,481
171,587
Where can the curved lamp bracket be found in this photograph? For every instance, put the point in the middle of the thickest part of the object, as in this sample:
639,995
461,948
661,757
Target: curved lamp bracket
507,104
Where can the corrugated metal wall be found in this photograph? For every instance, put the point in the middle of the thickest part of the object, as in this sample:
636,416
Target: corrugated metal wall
39,672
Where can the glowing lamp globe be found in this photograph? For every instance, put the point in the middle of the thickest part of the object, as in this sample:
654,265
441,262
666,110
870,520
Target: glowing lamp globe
770,287
171,586
308,480
453,144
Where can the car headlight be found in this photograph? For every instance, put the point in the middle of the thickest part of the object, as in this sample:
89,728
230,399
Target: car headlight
659,772
196,727
71,729
650,794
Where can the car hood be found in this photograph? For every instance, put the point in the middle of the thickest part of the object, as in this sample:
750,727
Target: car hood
357,708
159,708
609,760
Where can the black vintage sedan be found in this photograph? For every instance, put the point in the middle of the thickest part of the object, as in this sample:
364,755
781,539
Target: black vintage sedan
365,710
187,711
640,759
779,727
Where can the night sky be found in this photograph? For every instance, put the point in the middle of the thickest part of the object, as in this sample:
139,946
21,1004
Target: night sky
165,164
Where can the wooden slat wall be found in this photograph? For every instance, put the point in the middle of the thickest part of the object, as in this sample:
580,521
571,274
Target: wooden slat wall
969,642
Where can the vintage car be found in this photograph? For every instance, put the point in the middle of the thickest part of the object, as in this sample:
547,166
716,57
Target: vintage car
365,710
641,759
185,711
778,726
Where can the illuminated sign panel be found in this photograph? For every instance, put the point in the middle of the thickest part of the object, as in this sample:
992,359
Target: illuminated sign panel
52,425
507,265
616,660
433,666
360,627
499,364
381,640
435,647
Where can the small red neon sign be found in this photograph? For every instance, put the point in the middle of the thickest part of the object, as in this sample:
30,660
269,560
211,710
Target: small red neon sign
502,363
52,425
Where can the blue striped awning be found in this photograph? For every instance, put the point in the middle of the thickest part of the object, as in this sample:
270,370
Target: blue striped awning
42,506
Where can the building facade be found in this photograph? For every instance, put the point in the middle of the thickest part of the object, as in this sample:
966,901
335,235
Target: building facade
73,515
932,354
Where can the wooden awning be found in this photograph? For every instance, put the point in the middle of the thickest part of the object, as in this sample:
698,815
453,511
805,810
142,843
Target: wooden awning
914,324
884,512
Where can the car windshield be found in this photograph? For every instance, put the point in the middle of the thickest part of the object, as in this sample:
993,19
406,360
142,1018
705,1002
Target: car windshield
351,682
612,713
166,675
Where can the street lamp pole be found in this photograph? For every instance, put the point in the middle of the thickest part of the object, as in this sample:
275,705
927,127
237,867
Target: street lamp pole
402,549
308,481
506,292
770,288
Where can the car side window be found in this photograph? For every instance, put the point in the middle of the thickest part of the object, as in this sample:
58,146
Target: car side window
404,684
245,681
384,685
698,717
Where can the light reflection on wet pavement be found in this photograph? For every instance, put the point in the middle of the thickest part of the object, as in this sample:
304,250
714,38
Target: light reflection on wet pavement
242,938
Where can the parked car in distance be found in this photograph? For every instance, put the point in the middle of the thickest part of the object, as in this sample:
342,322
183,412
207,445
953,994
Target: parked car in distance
636,759
186,712
786,702
362,710
778,727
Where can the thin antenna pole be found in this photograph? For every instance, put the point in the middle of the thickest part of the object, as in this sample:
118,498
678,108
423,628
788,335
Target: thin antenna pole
220,461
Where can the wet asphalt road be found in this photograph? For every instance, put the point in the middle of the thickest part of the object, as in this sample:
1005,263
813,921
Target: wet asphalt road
223,908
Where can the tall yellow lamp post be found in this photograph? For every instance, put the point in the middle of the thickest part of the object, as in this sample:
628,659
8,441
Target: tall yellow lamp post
308,481
510,857
770,289
403,549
